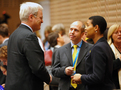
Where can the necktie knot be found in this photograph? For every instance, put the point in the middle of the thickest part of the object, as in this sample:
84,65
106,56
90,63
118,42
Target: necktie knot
75,46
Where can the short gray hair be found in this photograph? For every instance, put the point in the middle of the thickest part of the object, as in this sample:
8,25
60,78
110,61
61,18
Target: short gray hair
59,27
28,8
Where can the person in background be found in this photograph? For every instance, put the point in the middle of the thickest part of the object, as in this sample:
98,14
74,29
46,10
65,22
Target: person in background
3,54
64,65
4,37
56,41
25,65
99,60
39,40
3,59
114,40
48,30
61,29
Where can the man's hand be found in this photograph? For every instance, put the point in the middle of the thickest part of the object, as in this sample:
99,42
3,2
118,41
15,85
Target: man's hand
3,85
76,78
69,70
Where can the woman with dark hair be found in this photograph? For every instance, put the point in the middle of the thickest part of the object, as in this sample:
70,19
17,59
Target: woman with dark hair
99,60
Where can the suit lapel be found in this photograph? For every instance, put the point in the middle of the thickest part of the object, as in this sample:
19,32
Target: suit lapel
68,53
82,52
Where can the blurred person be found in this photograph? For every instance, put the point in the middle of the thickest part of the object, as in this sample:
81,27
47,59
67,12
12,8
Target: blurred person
99,60
3,54
3,59
25,65
4,37
38,34
56,41
61,29
39,40
114,40
4,18
65,64
48,30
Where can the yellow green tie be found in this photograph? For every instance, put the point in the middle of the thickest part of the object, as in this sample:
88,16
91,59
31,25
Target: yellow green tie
74,55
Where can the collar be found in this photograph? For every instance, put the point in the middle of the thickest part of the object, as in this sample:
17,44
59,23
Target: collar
76,44
5,40
27,26
57,46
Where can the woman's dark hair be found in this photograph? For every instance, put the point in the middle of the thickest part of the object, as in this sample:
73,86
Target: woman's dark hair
52,38
100,21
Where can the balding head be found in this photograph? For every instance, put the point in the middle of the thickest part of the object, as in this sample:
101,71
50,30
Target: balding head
79,24
76,31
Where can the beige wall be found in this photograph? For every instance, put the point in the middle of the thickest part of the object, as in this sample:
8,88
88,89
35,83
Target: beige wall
67,11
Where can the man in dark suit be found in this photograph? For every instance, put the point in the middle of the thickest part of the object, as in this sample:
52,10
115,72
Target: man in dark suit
4,36
63,66
25,68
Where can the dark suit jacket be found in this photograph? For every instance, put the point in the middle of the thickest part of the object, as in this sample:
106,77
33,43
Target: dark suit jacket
99,67
25,68
63,59
116,67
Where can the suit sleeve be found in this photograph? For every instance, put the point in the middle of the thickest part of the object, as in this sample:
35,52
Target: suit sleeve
98,65
35,57
57,69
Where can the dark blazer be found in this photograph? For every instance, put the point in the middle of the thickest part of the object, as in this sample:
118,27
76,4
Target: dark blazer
25,68
63,59
99,67
116,67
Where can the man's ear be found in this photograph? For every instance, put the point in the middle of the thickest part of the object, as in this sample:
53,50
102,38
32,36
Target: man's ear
31,17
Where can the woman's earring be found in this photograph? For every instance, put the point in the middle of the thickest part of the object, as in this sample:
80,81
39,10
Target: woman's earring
96,31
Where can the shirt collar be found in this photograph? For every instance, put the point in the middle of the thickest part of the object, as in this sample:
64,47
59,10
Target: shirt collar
27,26
5,40
76,44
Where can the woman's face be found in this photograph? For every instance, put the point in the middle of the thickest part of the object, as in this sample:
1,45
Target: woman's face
46,34
116,36
60,39
89,30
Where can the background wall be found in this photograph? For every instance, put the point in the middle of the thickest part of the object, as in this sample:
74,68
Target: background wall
65,11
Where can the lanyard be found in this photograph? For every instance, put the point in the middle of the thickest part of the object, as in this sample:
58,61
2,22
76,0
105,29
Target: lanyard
76,56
